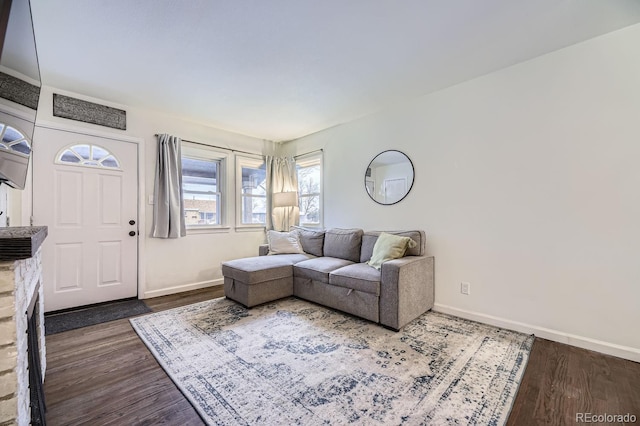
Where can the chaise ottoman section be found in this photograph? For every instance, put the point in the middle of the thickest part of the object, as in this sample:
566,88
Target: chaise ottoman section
255,280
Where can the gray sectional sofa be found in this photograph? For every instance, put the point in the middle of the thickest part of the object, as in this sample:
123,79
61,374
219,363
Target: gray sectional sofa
332,272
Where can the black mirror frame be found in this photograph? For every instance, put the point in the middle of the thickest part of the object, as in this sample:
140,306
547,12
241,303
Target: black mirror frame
413,169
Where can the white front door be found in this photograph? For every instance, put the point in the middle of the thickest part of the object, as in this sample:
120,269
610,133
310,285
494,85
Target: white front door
85,190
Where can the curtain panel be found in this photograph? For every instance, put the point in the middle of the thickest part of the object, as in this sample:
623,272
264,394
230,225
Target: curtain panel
282,193
168,206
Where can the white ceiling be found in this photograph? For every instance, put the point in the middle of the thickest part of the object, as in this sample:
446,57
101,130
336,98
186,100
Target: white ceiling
281,69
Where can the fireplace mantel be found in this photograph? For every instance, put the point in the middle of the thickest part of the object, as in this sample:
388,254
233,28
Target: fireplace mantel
21,242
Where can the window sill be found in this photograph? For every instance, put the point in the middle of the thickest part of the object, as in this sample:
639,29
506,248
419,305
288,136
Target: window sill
250,228
208,230
311,225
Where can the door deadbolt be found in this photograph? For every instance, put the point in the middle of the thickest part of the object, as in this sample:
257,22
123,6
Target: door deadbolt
132,222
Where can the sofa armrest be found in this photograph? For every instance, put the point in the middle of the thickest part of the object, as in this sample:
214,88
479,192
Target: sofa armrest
263,249
406,290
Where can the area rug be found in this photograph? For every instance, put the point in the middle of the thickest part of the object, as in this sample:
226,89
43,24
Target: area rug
292,362
92,315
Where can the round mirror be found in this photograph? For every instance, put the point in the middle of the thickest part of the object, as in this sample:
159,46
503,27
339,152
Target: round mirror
389,177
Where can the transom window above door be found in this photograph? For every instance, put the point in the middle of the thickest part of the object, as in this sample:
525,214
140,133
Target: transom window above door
13,140
87,155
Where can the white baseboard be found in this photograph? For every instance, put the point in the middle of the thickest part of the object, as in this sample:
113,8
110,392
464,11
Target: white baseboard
620,351
181,288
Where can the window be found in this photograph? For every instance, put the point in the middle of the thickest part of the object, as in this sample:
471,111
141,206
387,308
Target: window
252,198
88,155
202,186
13,140
310,189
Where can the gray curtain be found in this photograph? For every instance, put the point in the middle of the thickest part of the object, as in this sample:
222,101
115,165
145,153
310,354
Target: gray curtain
281,177
168,206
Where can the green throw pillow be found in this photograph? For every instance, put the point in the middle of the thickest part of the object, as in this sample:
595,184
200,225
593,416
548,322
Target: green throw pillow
388,247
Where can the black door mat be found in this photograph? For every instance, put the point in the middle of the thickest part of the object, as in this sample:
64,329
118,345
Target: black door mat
86,316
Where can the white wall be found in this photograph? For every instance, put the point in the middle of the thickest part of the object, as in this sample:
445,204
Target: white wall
187,263
528,186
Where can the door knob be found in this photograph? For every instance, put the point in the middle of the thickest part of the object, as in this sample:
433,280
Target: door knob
132,233
132,222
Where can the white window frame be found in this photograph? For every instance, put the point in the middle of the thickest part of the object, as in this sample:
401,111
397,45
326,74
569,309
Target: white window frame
245,160
203,152
307,160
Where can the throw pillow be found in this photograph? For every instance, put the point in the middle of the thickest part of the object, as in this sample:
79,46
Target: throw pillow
389,247
312,240
343,243
284,242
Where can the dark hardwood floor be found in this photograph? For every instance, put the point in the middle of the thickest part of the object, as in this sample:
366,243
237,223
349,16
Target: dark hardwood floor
561,381
104,374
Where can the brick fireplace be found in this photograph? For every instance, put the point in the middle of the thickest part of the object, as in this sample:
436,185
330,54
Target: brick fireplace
21,300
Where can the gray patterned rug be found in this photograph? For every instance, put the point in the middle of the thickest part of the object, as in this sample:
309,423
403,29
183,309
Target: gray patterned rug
295,363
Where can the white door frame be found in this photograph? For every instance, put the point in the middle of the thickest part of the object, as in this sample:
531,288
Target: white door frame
142,236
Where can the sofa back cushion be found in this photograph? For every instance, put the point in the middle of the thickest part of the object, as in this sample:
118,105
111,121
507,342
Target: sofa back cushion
343,243
312,240
370,237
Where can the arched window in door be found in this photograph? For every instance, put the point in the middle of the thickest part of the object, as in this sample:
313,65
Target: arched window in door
87,155
13,140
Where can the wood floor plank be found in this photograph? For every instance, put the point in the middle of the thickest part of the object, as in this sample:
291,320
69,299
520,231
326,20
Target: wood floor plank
105,375
561,381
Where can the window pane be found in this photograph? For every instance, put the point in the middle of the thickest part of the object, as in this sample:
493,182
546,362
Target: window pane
11,135
110,162
254,210
310,190
99,153
200,191
310,209
82,150
201,209
199,175
309,180
22,147
69,157
254,180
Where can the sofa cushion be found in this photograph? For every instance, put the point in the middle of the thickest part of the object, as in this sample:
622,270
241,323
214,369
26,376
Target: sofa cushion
318,269
358,276
253,270
284,242
343,243
370,237
312,240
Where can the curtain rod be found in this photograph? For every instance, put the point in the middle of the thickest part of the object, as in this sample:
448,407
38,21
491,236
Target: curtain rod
307,153
216,146
244,152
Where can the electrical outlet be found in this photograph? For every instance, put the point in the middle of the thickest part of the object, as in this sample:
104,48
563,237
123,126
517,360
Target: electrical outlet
465,288
150,199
